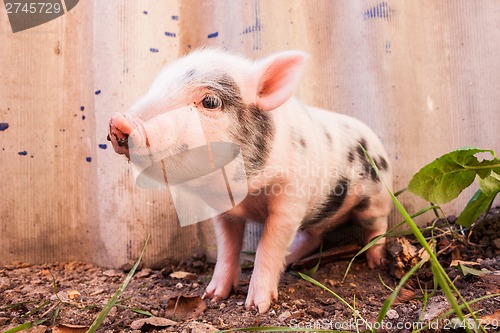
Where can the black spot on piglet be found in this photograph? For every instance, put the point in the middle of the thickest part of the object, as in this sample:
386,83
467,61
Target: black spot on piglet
382,164
350,157
334,200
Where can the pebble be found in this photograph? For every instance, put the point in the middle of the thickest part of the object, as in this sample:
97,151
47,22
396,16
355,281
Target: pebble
195,285
4,284
143,273
392,314
315,311
197,327
222,306
284,316
240,303
179,285
111,273
299,302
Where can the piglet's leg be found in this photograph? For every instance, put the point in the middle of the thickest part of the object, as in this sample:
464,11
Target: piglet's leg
279,231
374,219
304,243
229,232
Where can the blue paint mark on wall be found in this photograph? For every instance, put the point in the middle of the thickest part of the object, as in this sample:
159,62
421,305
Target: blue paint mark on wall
387,46
381,10
97,92
103,146
175,17
83,117
213,35
4,126
23,153
170,34
88,159
82,108
153,50
255,27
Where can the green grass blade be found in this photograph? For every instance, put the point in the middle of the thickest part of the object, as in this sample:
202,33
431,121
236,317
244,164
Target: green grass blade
114,299
451,312
388,302
384,284
56,314
35,310
136,310
438,271
25,326
319,284
313,270
391,232
21,327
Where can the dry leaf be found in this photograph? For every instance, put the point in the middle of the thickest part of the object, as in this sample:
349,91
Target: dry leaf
405,295
183,275
68,328
455,254
183,308
404,256
492,318
38,329
463,262
153,321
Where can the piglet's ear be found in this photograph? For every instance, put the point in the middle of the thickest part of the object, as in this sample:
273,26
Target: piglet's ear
277,78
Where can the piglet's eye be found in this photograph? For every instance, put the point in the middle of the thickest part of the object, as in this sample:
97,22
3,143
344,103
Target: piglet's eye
211,102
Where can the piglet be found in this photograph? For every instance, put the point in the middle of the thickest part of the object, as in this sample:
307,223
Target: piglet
305,169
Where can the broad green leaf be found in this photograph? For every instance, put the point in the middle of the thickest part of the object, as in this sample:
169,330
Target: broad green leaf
491,184
445,178
477,205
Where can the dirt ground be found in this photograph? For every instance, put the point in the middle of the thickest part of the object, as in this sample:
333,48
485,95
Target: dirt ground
69,296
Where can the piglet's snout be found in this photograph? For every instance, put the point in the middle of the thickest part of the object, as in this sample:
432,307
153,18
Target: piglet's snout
120,130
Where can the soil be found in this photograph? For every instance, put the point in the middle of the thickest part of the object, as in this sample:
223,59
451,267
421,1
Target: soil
69,296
